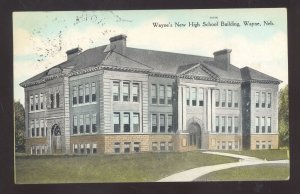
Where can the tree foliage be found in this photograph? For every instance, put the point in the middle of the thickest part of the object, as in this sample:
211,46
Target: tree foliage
284,117
19,127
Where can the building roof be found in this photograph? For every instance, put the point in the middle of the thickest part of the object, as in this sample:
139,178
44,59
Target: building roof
155,62
249,74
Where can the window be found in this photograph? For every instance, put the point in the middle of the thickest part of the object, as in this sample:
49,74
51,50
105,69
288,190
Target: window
116,91
217,96
154,123
223,93
31,103
257,99
87,93
170,146
229,124
117,147
136,146
80,94
42,101
88,148
126,92
230,145
82,148
32,128
75,128
263,127
236,124
194,96
161,94
93,92
257,145
162,146
223,145
170,123
126,147
236,99
269,144
52,100
201,97
257,124
217,124
229,98
36,101
136,123
117,122
188,96
223,124
94,121
154,93
37,126
94,148
218,145
42,128
57,100
75,94
81,128
263,144
162,127
169,94
135,92
236,145
75,148
263,100
269,100
87,124
126,122
154,146
269,124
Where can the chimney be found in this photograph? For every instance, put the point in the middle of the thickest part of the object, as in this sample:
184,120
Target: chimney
222,59
73,52
118,43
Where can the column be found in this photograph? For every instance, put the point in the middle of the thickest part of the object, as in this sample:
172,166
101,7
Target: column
184,108
179,106
208,109
213,111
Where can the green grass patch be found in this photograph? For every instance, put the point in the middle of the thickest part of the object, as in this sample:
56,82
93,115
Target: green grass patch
263,154
264,172
109,168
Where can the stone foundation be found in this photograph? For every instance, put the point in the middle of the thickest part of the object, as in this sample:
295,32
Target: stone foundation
272,138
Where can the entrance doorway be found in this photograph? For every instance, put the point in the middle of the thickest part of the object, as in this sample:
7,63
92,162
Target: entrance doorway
56,139
194,130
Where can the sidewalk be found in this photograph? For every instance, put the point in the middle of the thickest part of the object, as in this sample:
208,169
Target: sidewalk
192,174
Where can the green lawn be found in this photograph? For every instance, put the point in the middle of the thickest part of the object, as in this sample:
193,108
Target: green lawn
250,173
263,154
109,168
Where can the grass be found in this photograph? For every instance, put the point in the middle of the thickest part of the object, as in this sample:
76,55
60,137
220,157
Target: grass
250,173
263,154
109,168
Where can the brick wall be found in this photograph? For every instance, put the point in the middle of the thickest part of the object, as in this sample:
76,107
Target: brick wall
264,137
214,138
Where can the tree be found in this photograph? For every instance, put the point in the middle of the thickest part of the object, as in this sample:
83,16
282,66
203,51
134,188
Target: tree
19,127
284,117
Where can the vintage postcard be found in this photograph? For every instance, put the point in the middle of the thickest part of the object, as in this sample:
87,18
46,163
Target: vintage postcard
151,96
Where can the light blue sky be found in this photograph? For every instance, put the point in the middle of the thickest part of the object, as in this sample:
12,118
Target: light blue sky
41,38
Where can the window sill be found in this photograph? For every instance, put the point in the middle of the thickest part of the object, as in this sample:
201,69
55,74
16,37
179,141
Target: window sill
84,134
84,104
37,111
39,137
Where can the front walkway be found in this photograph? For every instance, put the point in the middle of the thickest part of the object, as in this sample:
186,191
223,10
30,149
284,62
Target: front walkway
192,174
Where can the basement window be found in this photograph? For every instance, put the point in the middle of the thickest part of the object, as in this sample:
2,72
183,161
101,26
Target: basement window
127,147
117,147
94,148
136,146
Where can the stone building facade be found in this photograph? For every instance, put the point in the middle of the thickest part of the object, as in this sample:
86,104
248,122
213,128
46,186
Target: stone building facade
117,99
